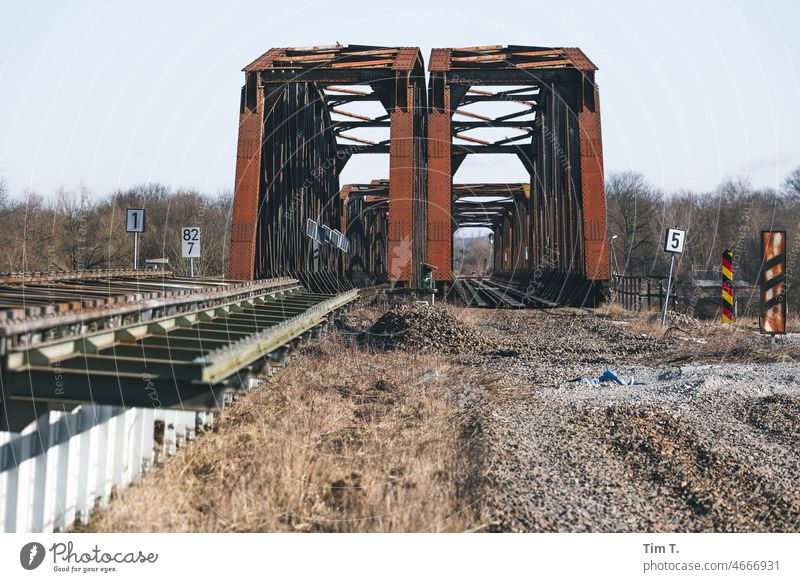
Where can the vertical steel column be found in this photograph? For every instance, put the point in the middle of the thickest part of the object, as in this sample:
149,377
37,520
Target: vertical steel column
593,194
401,197
440,177
246,190
440,187
407,237
596,266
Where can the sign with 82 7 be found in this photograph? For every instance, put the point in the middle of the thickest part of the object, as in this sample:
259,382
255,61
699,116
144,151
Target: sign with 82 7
190,242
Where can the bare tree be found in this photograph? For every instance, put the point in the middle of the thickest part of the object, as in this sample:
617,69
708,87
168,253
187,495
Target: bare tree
633,215
3,192
78,237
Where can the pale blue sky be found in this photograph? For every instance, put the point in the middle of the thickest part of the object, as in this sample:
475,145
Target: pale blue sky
109,93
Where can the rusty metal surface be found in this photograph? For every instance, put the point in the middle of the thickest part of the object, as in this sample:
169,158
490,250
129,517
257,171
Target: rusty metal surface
365,224
440,185
285,176
510,57
337,57
246,189
559,225
296,135
597,266
401,180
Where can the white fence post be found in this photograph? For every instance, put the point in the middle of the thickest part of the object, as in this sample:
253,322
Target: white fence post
65,464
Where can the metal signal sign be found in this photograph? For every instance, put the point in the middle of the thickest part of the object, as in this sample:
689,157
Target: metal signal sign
674,245
773,281
134,220
674,241
727,287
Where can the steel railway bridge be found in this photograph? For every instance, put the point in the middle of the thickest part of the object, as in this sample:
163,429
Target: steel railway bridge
299,126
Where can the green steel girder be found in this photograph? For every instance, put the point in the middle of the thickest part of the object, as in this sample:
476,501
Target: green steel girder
173,353
54,385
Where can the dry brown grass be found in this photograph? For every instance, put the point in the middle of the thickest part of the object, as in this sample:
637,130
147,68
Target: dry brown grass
645,322
343,440
711,341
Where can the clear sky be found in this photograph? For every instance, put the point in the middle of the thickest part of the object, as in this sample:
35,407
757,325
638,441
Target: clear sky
110,93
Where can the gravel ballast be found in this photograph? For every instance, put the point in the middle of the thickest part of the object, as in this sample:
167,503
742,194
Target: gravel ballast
691,446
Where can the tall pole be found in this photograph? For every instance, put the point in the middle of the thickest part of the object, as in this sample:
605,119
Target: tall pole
191,267
135,251
669,283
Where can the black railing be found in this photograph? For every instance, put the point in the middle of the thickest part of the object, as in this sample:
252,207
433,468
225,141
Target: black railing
640,293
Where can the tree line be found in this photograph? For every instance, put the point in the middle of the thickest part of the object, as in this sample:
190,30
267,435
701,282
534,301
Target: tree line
75,230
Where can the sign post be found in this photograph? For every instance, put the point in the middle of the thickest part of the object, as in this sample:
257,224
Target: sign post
190,245
134,222
674,245
773,283
728,314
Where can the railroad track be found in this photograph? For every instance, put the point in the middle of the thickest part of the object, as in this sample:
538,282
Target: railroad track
103,376
523,292
487,292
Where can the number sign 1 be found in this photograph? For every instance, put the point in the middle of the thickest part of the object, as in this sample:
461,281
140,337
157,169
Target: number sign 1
190,242
134,220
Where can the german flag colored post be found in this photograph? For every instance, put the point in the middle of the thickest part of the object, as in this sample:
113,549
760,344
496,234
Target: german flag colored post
727,286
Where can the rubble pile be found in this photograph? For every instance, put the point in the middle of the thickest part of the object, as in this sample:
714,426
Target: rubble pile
419,326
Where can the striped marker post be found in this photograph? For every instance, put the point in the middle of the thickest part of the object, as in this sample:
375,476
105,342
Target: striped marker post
773,282
727,286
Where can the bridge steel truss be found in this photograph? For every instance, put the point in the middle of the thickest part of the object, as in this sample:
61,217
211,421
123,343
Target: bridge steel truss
365,224
295,137
558,225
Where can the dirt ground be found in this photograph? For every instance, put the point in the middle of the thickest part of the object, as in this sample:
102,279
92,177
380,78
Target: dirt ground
443,419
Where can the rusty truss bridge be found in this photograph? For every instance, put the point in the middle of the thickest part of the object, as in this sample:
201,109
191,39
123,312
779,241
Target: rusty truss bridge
302,120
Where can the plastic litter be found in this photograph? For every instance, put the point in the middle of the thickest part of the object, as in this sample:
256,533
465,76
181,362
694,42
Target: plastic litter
608,375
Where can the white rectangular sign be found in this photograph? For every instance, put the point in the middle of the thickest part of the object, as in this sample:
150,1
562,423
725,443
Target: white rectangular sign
674,241
190,242
335,238
311,229
134,220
